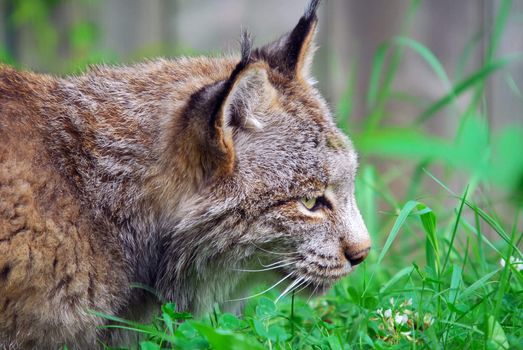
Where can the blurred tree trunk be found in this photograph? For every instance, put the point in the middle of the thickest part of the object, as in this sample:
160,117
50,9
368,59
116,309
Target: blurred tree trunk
505,89
133,26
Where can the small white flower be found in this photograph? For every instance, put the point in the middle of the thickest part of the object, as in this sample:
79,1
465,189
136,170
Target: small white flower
406,303
380,312
387,313
408,336
515,262
428,320
391,300
401,319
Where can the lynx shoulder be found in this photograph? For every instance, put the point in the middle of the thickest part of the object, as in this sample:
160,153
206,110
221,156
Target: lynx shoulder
176,174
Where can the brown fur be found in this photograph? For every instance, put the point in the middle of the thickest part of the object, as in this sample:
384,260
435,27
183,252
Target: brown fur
173,174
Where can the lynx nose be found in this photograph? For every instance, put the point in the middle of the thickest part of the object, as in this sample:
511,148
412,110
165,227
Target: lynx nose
356,253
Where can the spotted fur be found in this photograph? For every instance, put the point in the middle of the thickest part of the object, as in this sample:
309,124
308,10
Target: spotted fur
181,175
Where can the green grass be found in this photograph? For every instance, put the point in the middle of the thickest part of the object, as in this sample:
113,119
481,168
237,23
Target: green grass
446,271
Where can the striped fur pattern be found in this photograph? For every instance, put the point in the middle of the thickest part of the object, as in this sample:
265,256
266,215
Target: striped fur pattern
184,175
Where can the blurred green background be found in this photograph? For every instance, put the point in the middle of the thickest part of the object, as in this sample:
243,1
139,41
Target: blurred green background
61,36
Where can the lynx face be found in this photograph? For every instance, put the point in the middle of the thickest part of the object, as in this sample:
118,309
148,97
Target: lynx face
279,193
299,187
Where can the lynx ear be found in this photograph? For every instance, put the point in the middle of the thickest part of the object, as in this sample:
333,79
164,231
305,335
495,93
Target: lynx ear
217,110
292,54
250,91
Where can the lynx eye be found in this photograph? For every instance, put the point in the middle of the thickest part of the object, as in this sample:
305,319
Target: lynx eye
309,203
316,203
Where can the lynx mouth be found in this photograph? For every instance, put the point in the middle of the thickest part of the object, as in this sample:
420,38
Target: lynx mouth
304,285
306,275
311,278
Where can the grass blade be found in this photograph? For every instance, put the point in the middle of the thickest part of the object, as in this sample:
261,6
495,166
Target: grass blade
377,67
402,216
472,80
427,55
455,228
400,220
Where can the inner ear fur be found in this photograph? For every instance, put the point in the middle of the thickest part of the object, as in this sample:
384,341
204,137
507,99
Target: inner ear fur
251,91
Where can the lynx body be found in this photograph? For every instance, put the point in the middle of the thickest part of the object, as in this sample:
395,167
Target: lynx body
174,174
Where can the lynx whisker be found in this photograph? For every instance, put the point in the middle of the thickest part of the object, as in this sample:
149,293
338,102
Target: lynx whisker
290,287
309,281
271,252
313,291
263,292
303,283
277,262
274,267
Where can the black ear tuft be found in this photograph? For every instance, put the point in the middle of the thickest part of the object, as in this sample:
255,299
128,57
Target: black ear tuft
246,48
226,85
291,54
312,8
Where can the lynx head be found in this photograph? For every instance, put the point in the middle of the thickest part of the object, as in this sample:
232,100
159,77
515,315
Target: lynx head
277,188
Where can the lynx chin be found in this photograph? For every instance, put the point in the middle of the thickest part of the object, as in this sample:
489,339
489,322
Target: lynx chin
194,176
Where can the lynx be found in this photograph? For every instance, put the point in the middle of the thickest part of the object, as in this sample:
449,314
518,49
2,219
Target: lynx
181,175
